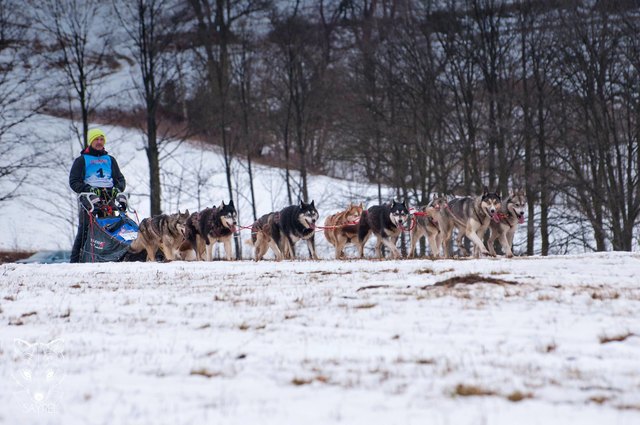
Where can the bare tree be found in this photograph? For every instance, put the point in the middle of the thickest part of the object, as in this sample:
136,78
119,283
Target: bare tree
82,43
599,150
19,98
539,91
462,77
304,45
152,27
494,47
216,22
244,76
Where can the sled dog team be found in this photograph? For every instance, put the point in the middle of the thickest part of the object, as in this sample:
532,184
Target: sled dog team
191,236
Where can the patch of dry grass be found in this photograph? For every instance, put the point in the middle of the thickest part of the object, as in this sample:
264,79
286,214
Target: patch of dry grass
307,381
365,305
605,295
599,399
471,391
517,396
470,279
604,339
364,288
205,372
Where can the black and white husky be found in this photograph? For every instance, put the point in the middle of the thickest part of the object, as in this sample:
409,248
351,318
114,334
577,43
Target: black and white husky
472,216
296,222
211,225
506,222
386,221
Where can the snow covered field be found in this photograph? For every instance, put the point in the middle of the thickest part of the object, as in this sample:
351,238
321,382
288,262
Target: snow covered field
546,340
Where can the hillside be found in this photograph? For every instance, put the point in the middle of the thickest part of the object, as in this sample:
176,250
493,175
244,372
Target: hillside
44,217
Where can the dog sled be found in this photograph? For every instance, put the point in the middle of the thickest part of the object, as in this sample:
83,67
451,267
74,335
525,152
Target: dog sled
110,230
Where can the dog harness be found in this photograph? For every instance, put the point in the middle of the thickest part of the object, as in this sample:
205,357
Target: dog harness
97,171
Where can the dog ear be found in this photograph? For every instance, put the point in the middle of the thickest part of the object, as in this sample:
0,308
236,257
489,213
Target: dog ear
312,204
485,191
362,205
186,212
222,205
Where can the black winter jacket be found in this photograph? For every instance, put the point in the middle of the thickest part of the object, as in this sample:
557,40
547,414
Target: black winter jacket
76,176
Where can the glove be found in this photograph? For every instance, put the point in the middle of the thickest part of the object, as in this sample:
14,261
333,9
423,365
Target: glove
113,193
96,190
121,200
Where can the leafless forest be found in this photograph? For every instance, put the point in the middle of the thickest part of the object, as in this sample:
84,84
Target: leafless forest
421,96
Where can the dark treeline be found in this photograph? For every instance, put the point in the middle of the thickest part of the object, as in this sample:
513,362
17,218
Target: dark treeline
421,96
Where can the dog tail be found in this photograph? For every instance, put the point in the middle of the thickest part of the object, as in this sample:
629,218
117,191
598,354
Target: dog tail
363,228
137,245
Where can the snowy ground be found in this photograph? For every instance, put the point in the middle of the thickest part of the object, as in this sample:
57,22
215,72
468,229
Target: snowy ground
354,342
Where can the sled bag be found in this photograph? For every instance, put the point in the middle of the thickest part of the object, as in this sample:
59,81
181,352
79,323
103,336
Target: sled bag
108,239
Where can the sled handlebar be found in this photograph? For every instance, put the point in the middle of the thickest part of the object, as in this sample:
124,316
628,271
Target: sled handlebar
91,200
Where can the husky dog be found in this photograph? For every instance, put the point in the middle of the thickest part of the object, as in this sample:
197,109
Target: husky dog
211,225
261,239
164,232
442,216
426,225
471,216
342,228
193,243
386,222
506,222
296,222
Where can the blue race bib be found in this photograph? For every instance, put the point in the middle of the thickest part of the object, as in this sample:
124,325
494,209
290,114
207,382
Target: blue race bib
97,171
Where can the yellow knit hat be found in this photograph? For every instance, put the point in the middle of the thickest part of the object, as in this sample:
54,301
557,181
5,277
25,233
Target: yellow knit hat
94,133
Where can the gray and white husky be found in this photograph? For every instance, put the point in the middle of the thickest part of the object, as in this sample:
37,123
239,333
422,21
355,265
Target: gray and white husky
506,222
436,224
472,216
164,232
